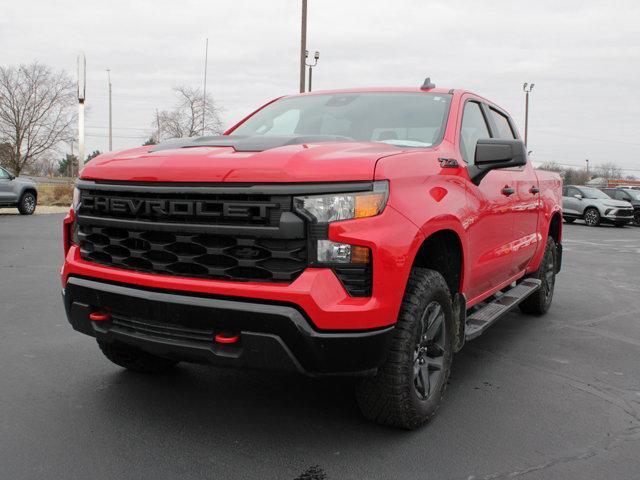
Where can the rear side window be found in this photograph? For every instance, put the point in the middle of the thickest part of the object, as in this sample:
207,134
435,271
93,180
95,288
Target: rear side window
3,174
502,122
474,127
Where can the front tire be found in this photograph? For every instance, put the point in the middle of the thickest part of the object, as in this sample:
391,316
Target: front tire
592,217
636,218
409,387
538,303
27,204
134,359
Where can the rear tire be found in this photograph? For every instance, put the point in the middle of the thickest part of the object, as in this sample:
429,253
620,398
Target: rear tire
408,388
27,204
636,218
592,217
539,302
134,359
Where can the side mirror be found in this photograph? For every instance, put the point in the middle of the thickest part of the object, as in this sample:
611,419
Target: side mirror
12,177
493,153
578,196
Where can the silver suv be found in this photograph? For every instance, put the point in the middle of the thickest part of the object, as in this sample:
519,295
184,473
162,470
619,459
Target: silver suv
18,192
594,207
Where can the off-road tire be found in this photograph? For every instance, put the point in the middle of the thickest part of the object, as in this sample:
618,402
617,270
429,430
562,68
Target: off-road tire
569,219
538,303
134,359
393,396
27,203
592,217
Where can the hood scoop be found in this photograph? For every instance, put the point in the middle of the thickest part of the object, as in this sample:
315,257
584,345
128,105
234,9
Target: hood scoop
244,143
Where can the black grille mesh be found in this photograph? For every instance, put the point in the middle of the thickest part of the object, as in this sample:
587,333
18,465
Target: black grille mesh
194,255
356,280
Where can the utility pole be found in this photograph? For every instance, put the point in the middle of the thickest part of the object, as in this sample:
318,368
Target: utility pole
303,45
527,90
587,160
204,90
82,87
110,117
316,56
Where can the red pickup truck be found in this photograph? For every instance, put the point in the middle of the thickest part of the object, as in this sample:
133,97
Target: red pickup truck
365,232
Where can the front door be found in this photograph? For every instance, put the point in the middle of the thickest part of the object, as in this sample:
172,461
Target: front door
491,228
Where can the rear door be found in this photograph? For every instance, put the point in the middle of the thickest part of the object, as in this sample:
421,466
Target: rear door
7,195
526,198
491,225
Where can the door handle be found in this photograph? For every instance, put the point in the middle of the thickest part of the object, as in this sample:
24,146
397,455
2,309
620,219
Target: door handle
534,190
508,191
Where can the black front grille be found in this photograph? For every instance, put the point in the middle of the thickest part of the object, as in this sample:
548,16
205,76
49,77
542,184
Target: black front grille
222,257
625,213
192,231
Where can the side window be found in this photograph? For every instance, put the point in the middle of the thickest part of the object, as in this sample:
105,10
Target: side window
4,175
571,191
474,127
502,122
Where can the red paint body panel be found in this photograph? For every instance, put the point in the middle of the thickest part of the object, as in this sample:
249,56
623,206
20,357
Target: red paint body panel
502,238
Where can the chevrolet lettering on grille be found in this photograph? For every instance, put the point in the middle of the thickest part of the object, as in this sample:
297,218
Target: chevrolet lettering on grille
168,208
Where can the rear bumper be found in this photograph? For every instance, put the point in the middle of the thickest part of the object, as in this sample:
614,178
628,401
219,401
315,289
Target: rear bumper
273,336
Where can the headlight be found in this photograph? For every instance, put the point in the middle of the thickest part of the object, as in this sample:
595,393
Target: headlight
76,199
344,206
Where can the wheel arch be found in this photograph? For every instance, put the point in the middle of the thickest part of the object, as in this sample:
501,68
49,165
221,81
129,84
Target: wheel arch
29,189
443,252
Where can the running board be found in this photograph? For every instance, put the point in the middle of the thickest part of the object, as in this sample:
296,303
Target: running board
479,320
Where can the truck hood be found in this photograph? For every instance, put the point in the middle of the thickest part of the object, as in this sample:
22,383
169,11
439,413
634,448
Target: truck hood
319,162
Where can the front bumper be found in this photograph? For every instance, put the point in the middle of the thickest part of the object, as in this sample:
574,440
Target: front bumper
273,335
618,215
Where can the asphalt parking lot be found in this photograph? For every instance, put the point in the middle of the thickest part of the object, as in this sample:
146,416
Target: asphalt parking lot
556,397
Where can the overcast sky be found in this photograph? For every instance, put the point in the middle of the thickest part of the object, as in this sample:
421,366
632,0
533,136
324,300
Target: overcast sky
584,57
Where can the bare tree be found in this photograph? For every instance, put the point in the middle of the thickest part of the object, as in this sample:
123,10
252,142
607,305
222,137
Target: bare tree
551,166
185,120
609,170
36,112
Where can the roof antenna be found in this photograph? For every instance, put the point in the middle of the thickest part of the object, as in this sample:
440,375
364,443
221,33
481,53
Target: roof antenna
427,84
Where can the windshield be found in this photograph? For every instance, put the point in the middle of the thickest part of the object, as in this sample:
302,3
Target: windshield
593,193
635,194
402,119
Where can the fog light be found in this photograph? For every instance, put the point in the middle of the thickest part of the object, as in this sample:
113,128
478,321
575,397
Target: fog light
334,252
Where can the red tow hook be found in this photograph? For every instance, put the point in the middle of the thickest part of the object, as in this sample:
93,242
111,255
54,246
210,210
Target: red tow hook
100,316
227,338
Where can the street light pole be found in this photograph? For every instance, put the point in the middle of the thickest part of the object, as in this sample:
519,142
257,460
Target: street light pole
82,87
204,94
110,117
587,160
527,89
316,56
303,44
